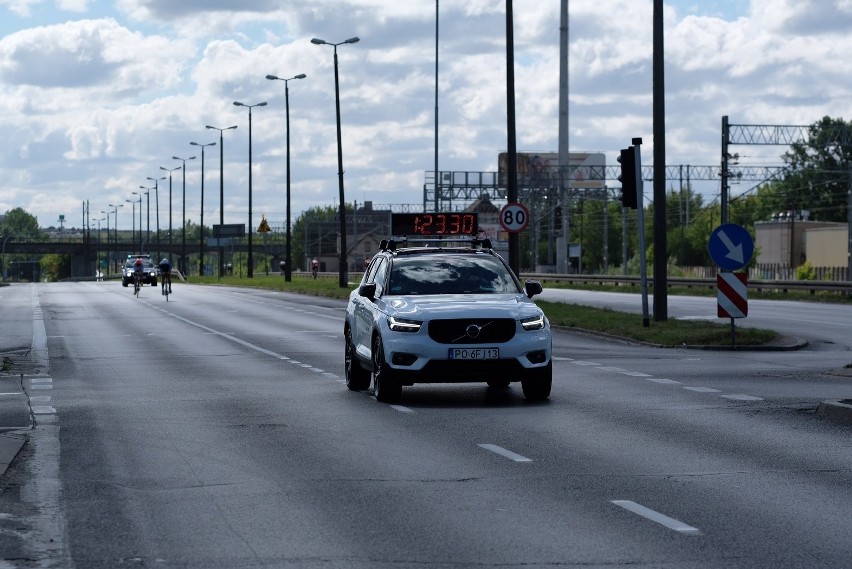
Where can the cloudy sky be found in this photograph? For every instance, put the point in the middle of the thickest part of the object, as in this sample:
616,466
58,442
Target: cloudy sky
97,96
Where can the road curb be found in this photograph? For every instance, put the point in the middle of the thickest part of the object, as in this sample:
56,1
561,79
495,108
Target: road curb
841,409
779,344
10,446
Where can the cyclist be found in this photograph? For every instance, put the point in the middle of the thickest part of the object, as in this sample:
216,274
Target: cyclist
138,275
166,274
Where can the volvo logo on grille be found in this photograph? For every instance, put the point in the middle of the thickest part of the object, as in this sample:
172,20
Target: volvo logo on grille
472,331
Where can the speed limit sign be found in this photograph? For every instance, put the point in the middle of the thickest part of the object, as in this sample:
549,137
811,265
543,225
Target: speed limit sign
514,217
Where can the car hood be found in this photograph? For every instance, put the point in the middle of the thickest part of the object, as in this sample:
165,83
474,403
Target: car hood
459,306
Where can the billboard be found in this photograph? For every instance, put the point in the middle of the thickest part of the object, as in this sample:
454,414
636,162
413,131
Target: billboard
541,170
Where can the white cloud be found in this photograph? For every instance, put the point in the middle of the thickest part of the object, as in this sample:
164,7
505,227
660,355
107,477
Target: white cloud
99,104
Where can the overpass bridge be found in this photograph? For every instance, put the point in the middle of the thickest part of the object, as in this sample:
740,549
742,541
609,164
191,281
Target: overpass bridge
87,254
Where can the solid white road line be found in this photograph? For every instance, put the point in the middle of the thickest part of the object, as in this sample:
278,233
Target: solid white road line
662,519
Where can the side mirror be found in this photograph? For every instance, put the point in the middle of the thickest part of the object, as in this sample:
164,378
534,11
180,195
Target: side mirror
369,290
532,288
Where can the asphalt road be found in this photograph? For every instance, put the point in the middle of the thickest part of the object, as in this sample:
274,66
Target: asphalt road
215,431
823,325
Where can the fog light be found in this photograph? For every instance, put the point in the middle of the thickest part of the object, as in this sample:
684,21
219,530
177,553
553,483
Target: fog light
403,359
538,357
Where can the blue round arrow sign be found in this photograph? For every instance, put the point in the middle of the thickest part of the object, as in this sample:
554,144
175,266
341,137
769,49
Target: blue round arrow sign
730,246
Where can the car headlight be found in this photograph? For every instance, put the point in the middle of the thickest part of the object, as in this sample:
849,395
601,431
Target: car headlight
402,325
533,322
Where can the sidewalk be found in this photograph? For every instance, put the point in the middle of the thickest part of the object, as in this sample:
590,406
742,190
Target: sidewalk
18,365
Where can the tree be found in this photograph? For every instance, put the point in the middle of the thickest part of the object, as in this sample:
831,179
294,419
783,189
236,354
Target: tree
55,267
819,177
21,225
17,224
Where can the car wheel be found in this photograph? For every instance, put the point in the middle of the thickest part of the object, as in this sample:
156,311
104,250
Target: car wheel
537,386
386,388
124,284
499,383
357,378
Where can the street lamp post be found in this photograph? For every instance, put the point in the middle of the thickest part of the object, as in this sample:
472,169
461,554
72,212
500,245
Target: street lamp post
100,245
170,170
183,231
146,243
221,189
250,268
147,194
134,220
115,229
201,227
157,207
109,253
288,252
343,277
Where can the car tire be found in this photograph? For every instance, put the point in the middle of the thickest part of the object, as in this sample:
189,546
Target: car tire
124,284
498,383
357,378
536,386
386,388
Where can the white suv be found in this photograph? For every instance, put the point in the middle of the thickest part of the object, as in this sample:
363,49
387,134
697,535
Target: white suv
445,315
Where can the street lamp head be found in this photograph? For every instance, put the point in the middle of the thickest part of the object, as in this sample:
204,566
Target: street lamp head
220,129
156,179
239,104
183,159
203,145
299,76
318,41
353,40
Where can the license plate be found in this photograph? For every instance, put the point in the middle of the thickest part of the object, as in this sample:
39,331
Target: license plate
474,353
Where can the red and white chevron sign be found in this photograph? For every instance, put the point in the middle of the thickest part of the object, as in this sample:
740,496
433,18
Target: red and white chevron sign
732,295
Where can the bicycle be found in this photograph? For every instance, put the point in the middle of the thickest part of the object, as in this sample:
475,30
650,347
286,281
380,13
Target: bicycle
137,283
166,290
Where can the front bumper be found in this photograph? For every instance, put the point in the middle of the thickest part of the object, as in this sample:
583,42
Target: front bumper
148,278
415,358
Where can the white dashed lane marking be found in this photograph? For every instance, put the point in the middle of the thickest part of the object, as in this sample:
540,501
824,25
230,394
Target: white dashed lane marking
662,519
739,397
505,453
659,380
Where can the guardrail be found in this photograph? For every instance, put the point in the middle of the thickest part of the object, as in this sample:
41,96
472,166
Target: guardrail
686,282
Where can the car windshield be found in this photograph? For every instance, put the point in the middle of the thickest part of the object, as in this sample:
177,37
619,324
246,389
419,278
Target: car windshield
446,274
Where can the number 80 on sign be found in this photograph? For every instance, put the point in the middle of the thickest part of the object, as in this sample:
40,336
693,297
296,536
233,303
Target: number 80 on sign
514,217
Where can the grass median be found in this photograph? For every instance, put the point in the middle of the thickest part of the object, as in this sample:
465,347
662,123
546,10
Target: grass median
671,333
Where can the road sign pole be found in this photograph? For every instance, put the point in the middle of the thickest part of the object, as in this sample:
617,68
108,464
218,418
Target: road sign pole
640,222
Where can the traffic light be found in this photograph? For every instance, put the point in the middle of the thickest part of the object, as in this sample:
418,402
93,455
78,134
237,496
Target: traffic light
627,158
557,218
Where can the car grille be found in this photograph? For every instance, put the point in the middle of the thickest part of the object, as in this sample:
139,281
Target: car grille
472,330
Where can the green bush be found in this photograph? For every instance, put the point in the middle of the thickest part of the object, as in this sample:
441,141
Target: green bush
805,272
